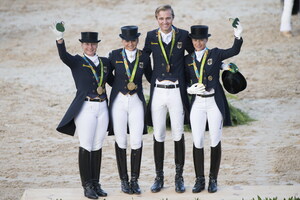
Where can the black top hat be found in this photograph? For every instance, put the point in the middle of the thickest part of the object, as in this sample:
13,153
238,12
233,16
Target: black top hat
233,82
129,33
89,37
199,32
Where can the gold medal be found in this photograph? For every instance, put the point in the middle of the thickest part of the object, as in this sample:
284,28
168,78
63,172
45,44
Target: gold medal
100,90
131,86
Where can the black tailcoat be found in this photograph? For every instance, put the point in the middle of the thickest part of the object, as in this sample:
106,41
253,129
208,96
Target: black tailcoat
85,83
211,73
119,80
182,43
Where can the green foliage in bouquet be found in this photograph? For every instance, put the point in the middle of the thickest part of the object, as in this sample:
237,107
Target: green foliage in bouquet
238,117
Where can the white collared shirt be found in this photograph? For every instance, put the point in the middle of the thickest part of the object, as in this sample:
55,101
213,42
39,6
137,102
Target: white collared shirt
130,55
94,59
166,38
199,54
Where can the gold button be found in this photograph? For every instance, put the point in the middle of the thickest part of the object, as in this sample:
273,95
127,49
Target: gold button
162,64
163,74
210,78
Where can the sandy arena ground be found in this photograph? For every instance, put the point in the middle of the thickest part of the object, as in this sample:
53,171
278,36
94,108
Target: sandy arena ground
36,88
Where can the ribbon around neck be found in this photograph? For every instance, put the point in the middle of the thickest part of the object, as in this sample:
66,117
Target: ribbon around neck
162,46
100,78
129,74
199,75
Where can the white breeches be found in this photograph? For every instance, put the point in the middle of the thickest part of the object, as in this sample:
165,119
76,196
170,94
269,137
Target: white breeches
286,24
91,125
206,109
164,100
128,109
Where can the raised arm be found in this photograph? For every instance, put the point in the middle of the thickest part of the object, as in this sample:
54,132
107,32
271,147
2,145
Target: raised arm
238,41
59,30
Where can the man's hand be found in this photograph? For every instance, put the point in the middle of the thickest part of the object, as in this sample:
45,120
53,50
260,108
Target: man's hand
196,88
58,29
237,27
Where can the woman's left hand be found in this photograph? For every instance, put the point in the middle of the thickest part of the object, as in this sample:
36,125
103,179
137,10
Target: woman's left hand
233,68
237,27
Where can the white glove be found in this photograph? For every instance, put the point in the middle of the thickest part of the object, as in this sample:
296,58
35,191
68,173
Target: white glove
58,30
224,66
238,30
196,88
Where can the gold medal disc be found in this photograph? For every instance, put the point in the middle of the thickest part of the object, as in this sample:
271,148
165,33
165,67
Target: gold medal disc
131,86
100,90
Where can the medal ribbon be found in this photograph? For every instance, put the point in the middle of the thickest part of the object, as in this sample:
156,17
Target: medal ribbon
94,72
129,74
162,46
199,76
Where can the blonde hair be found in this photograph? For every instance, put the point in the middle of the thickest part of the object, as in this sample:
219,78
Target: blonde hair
164,8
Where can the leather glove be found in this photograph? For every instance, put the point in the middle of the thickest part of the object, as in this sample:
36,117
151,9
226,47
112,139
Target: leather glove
196,88
237,27
58,29
233,68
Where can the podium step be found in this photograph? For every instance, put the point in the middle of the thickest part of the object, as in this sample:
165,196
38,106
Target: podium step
224,193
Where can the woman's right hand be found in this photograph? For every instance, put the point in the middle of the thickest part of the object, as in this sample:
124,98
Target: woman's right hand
58,29
196,88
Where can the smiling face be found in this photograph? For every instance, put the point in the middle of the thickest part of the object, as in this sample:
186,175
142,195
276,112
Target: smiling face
199,44
89,49
165,20
130,45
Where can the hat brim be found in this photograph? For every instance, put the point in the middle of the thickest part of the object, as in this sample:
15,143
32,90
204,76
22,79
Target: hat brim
130,38
199,36
89,41
233,82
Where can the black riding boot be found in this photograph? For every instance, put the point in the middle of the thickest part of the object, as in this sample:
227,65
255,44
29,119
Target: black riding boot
159,153
136,156
122,168
84,160
215,159
96,166
198,155
179,163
